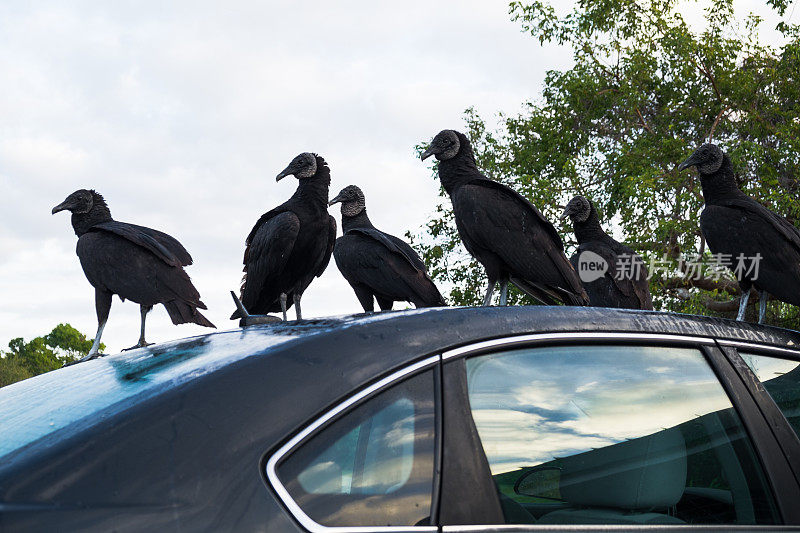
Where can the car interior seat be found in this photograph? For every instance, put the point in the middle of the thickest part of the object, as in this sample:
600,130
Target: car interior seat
632,482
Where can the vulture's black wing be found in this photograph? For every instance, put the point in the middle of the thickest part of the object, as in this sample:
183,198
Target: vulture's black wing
331,243
366,257
779,224
268,249
492,218
409,252
621,288
163,246
395,245
529,207
742,226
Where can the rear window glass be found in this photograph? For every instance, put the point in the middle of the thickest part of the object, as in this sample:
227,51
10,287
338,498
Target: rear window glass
373,466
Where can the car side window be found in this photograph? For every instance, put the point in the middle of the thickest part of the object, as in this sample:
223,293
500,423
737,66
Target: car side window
374,465
781,379
614,435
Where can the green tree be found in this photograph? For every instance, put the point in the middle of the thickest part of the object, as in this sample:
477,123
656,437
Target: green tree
42,354
643,92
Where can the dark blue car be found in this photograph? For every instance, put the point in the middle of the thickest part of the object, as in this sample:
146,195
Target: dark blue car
471,419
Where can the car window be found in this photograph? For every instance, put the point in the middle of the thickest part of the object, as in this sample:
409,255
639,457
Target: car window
781,379
373,466
614,435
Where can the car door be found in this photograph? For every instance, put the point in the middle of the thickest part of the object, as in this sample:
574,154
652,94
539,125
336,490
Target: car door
592,429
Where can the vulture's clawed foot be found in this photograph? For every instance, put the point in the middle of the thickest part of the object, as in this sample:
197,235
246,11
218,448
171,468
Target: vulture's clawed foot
87,357
140,344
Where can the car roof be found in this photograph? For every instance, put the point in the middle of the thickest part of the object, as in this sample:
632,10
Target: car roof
368,345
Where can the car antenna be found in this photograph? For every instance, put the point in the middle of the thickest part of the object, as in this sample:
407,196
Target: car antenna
250,320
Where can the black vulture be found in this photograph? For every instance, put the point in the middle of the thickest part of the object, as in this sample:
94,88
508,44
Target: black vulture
761,247
133,262
290,244
504,231
378,264
624,284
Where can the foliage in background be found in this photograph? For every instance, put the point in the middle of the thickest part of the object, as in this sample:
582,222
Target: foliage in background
42,354
645,90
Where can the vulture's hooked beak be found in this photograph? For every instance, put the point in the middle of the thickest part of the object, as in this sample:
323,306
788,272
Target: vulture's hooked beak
288,171
427,153
690,162
336,200
63,206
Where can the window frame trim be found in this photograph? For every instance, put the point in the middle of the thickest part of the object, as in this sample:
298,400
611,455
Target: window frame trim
310,429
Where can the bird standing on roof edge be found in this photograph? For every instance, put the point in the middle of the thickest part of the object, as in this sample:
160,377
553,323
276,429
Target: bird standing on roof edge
377,264
502,230
736,225
624,284
291,244
136,263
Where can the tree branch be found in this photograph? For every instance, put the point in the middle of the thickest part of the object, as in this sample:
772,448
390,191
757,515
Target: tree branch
641,119
716,121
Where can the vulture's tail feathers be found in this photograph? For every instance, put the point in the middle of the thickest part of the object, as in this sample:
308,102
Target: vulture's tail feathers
183,313
550,295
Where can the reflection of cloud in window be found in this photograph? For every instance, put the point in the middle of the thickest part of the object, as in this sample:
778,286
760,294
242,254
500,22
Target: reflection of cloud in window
506,438
533,405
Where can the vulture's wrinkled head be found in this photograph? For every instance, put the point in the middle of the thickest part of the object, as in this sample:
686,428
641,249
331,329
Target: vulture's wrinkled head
81,201
302,166
578,209
707,159
444,146
352,200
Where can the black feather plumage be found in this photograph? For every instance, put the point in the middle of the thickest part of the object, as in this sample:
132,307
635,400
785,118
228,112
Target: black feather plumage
734,224
625,283
134,262
503,230
289,245
377,264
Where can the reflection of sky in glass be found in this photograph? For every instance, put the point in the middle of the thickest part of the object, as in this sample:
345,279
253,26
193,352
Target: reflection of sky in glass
781,379
766,368
531,406
383,465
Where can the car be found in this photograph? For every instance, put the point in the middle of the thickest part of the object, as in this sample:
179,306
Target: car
446,419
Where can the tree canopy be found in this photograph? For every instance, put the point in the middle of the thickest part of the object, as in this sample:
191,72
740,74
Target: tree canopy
42,354
644,91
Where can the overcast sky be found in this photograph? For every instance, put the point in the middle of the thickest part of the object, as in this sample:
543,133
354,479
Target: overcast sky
182,113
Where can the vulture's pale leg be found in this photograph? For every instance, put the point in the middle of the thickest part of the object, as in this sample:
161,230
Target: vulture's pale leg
762,307
102,305
143,309
283,305
743,304
297,296
504,292
487,300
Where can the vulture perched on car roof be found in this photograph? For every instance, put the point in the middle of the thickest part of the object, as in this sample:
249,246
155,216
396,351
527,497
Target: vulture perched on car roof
764,248
624,284
290,244
504,231
136,263
377,264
